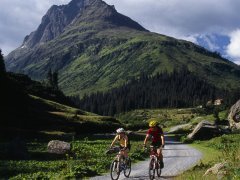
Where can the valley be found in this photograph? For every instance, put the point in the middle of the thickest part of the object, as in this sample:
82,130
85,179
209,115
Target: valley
88,70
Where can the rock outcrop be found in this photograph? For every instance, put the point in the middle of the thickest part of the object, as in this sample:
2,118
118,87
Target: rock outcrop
217,169
58,147
204,130
234,116
54,22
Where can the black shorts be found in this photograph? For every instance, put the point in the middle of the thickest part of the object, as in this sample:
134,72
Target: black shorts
128,148
156,144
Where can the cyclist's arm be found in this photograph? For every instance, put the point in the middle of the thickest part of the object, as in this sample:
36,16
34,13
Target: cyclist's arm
126,142
114,140
162,138
146,139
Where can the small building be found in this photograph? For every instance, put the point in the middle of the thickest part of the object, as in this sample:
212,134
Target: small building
218,102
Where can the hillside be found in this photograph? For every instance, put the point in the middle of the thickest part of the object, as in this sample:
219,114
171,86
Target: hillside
24,113
52,116
178,89
94,48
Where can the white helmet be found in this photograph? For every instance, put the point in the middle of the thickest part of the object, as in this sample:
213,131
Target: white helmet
120,130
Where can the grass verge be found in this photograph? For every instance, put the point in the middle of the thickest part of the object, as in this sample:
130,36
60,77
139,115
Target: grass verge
218,150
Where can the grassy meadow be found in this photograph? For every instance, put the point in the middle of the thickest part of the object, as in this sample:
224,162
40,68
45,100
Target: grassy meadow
83,160
217,150
168,118
87,158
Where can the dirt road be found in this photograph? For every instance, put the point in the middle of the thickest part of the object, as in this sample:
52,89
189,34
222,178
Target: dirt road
178,157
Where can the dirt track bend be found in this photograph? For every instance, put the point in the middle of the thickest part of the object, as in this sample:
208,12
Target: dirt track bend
178,157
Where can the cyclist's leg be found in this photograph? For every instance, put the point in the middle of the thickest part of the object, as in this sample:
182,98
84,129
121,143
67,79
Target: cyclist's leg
126,153
122,151
157,147
160,155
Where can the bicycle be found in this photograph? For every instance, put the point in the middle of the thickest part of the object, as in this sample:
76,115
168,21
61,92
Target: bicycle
119,164
154,164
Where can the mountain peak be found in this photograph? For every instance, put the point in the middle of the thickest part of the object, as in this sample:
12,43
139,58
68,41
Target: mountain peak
58,18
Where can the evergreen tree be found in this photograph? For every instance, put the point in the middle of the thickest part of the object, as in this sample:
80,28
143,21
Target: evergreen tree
2,65
50,78
55,80
179,89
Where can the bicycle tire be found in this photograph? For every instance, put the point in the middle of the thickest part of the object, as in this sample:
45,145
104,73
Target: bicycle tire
127,167
151,169
159,171
115,168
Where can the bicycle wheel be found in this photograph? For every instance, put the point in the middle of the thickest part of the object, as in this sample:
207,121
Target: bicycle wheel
152,169
159,171
127,169
115,170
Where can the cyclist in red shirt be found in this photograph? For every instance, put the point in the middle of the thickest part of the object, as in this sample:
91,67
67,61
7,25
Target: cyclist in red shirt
156,133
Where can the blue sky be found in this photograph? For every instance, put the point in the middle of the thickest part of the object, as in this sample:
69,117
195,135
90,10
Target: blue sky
212,23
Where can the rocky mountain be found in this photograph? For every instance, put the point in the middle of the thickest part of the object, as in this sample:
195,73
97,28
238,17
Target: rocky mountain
95,48
59,17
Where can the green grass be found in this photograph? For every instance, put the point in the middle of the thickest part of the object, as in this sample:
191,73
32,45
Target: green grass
60,107
87,158
221,149
68,115
48,116
209,154
128,54
166,117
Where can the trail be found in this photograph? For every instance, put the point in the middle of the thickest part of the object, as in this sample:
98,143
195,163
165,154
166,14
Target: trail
178,157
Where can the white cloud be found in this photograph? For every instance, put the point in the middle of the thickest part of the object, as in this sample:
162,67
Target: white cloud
237,62
182,17
233,49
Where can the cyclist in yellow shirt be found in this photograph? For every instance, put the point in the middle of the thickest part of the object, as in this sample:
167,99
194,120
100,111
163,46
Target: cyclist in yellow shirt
124,144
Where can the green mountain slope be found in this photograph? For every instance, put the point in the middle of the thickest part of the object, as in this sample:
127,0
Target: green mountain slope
23,113
101,49
51,116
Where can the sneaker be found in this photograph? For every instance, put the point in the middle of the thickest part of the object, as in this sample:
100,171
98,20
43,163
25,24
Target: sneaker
161,164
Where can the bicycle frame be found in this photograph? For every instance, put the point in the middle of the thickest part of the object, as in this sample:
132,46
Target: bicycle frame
119,165
119,154
153,151
154,163
119,157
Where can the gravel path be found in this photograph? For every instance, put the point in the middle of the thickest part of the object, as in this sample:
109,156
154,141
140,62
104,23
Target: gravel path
178,157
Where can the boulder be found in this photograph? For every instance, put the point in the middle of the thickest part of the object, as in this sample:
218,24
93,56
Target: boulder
234,116
217,169
204,130
58,147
